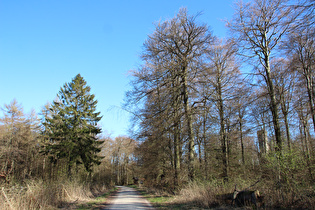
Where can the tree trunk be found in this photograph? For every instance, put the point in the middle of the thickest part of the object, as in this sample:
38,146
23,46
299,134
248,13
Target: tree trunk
273,106
310,96
69,171
205,153
242,143
287,129
306,139
222,134
177,122
188,114
176,155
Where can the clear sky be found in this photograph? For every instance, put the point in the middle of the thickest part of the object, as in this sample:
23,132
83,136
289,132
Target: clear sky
46,43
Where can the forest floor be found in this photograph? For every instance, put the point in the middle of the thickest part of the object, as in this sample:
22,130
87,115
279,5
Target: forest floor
99,202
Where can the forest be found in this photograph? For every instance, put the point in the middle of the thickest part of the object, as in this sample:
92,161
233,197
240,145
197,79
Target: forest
209,115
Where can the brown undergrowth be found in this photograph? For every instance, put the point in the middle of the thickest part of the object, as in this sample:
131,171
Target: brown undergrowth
40,195
203,195
211,195
216,195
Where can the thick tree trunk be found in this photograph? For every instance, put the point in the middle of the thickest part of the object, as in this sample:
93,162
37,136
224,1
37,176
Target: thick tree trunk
176,155
273,105
284,109
222,134
205,153
310,96
176,130
188,114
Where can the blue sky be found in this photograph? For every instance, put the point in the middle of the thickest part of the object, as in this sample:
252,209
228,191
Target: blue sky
46,43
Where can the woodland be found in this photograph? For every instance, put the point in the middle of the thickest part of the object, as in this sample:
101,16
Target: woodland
209,115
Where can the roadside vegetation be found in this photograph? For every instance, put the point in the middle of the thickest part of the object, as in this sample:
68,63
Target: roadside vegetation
213,195
39,195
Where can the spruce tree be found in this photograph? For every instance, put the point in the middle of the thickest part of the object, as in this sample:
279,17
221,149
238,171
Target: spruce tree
72,128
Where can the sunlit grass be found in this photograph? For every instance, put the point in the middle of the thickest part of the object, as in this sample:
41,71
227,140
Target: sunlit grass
36,194
157,198
97,202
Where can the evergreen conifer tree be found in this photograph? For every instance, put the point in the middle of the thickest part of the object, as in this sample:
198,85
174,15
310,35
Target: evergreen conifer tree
71,126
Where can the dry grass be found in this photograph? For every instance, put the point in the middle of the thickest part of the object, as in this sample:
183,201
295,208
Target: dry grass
40,195
203,195
216,195
289,198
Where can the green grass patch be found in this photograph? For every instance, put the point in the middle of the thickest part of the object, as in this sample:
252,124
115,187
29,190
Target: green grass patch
164,200
133,186
97,202
157,199
111,191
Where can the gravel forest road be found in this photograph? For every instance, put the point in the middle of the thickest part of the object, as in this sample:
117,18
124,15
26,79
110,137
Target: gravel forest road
128,198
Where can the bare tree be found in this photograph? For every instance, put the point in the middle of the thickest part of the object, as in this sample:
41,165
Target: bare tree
223,78
285,84
123,150
17,141
174,53
241,102
159,118
301,47
304,134
260,25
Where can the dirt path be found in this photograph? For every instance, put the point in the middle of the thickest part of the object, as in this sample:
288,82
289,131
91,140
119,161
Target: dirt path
128,198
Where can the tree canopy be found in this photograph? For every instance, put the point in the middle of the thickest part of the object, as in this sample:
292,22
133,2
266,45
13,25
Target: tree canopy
71,126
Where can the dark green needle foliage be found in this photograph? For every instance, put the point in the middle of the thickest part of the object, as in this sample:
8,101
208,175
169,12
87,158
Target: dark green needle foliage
71,126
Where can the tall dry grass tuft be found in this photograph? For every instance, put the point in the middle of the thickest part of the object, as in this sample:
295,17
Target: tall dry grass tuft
289,198
40,195
204,195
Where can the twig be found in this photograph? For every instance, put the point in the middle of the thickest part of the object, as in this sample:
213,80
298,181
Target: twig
64,188
6,198
252,184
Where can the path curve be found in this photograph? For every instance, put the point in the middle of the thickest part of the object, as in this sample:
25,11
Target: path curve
128,198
